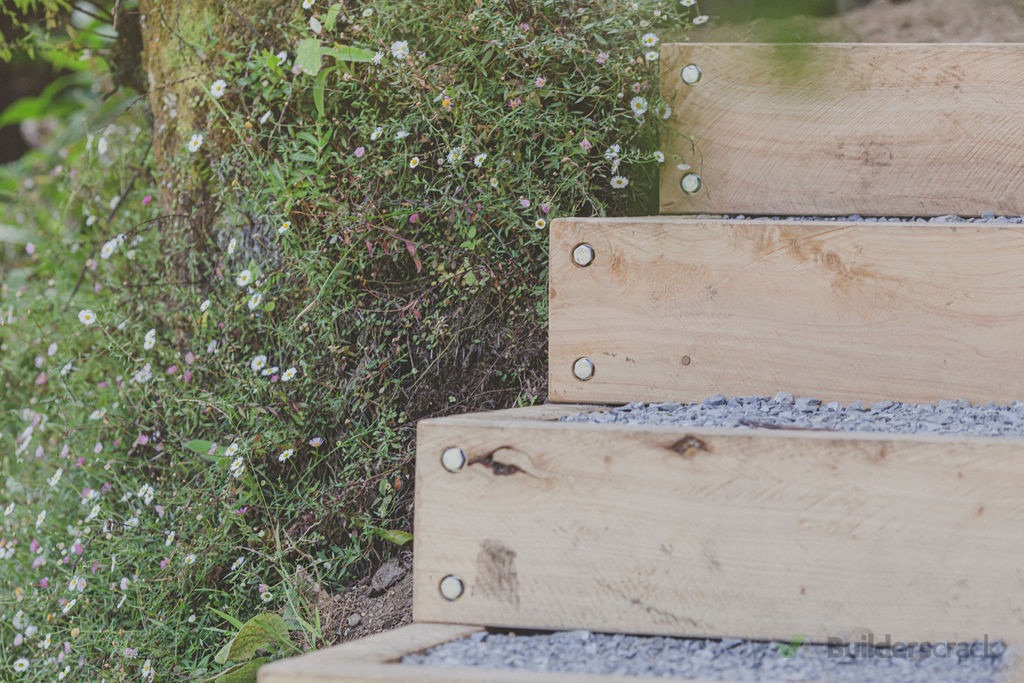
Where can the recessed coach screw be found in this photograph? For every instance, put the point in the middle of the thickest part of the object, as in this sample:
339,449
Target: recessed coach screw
690,183
451,587
583,368
691,74
453,459
583,255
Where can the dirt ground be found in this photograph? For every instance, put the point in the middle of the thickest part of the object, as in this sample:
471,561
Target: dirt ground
384,600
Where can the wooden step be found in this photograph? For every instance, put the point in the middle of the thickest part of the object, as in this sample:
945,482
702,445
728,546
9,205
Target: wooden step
678,309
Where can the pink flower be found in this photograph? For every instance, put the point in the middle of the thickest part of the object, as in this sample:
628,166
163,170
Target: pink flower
413,218
513,103
585,145
41,378
147,199
98,448
85,492
602,57
38,562
159,511
540,81
360,151
34,545
525,203
524,26
241,510
30,248
163,563
190,357
103,385
77,548
315,442
142,440
80,461
546,208
105,488
44,582
95,567
171,370
187,376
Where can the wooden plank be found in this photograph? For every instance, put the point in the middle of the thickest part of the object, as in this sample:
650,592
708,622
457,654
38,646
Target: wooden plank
708,532
377,658
838,129
677,309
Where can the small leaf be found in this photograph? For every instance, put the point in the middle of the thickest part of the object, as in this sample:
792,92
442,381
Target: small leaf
332,16
200,446
349,54
318,91
308,56
396,536
315,25
222,655
260,631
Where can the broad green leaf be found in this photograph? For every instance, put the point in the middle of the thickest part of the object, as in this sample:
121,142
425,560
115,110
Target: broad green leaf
308,56
318,91
332,16
396,536
200,446
260,631
349,54
222,654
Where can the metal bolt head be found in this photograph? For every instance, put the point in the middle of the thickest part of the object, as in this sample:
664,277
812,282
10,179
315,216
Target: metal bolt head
583,255
690,183
691,74
583,368
453,459
451,587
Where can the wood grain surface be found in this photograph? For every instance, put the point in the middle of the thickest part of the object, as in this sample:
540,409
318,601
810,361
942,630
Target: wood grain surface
838,129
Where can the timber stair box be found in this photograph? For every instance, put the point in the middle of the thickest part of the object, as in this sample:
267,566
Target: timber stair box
525,521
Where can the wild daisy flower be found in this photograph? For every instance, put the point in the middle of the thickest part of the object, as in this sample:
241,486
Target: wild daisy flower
288,374
40,518
540,223
146,493
9,510
401,134
21,665
255,300
86,317
702,19
266,596
98,414
232,245
147,667
231,450
190,559
150,340
282,57
638,105
612,152
67,608
285,454
55,479
205,306
244,278
649,40
108,248
237,467
619,182
258,363
414,162
602,57
400,49
237,563
195,142
93,513
377,56
455,154
267,372
306,4
285,227
377,132
494,182
218,88
659,156
651,55
170,539
479,159
687,3
316,441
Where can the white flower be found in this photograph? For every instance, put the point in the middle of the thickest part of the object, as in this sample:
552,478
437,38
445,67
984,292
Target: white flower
21,665
494,182
244,278
649,40
51,349
9,510
190,559
377,132
237,563
232,245
40,518
455,154
143,375
218,88
266,596
618,182
285,454
288,374
414,162
258,363
94,513
98,414
270,371
479,159
231,450
195,142
659,156
146,493
255,300
282,57
401,134
86,317
651,55
237,467
56,477
377,56
147,668
48,639
400,49
638,105
170,539
205,306
665,110
687,3
107,250
77,584
285,227
612,152
540,223
150,340
306,4
702,19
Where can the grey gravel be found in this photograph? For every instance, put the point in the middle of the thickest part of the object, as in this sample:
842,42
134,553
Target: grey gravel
726,659
956,416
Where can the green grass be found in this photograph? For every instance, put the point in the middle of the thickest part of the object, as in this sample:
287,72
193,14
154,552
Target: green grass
187,486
